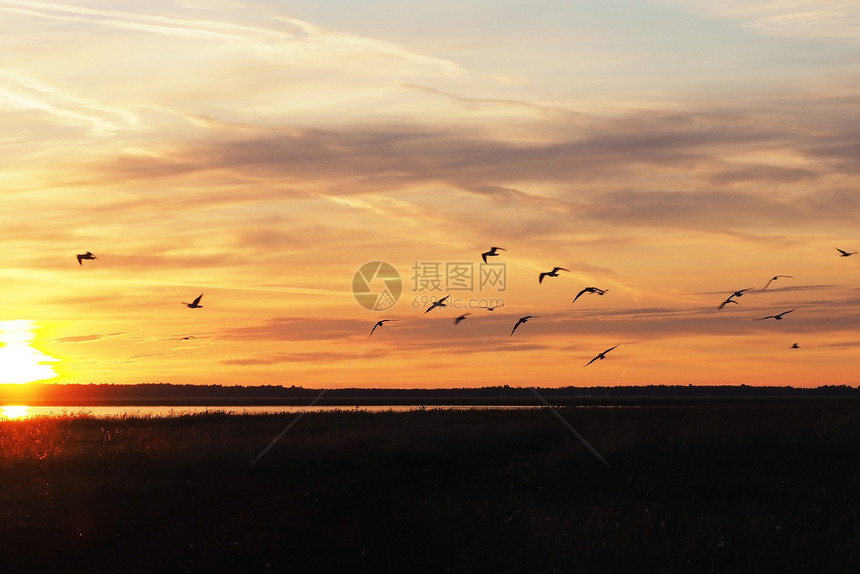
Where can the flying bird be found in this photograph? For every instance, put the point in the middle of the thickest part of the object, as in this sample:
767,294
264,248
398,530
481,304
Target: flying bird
590,290
194,304
189,337
553,273
493,308
729,300
795,346
521,321
778,317
88,255
731,297
379,324
600,356
439,303
845,253
491,253
774,278
460,318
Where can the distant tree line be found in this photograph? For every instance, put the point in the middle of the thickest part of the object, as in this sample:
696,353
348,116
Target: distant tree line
173,394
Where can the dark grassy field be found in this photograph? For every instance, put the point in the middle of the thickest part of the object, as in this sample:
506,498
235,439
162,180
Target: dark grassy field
723,487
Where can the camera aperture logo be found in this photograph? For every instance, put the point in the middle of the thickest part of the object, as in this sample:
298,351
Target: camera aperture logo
377,286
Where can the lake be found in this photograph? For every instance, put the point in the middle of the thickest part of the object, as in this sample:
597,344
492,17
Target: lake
23,411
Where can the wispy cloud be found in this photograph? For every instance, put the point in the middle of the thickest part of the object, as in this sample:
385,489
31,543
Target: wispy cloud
801,19
277,358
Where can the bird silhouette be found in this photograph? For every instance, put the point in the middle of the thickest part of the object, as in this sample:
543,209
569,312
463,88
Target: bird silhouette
194,304
189,337
493,308
774,278
590,290
731,297
379,324
460,318
778,316
521,321
439,303
88,255
600,356
844,253
491,253
553,273
795,346
729,300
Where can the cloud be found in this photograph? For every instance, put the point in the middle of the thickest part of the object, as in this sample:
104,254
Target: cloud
703,210
86,338
297,329
27,93
798,19
318,357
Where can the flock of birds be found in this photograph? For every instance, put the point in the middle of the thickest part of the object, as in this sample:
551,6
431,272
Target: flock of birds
493,252
554,272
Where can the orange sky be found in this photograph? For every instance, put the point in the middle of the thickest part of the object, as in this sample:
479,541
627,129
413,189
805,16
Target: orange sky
260,154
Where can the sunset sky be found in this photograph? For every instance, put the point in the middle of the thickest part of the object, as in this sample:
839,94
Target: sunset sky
260,153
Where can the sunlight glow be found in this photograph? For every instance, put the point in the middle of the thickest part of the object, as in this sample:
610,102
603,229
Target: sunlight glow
20,362
15,411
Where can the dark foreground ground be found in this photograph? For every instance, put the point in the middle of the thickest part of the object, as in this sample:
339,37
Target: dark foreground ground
732,487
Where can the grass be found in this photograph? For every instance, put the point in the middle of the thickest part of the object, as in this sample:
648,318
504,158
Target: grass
735,487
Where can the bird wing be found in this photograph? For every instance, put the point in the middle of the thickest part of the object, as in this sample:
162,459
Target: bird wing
843,252
540,279
561,269
484,256
431,307
578,294
80,257
520,322
375,325
763,318
729,300
591,361
197,301
785,313
768,283
607,350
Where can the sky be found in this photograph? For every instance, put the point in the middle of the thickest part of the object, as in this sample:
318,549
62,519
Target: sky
262,153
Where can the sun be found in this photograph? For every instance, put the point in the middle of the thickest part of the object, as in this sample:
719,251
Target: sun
20,362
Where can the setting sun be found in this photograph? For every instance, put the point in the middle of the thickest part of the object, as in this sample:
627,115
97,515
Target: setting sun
21,362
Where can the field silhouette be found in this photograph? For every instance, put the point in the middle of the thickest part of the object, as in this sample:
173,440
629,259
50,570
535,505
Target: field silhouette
738,486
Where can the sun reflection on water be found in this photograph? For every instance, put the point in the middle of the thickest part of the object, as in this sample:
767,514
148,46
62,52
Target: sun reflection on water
20,362
15,411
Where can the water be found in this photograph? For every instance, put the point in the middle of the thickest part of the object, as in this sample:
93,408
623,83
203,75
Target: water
21,411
